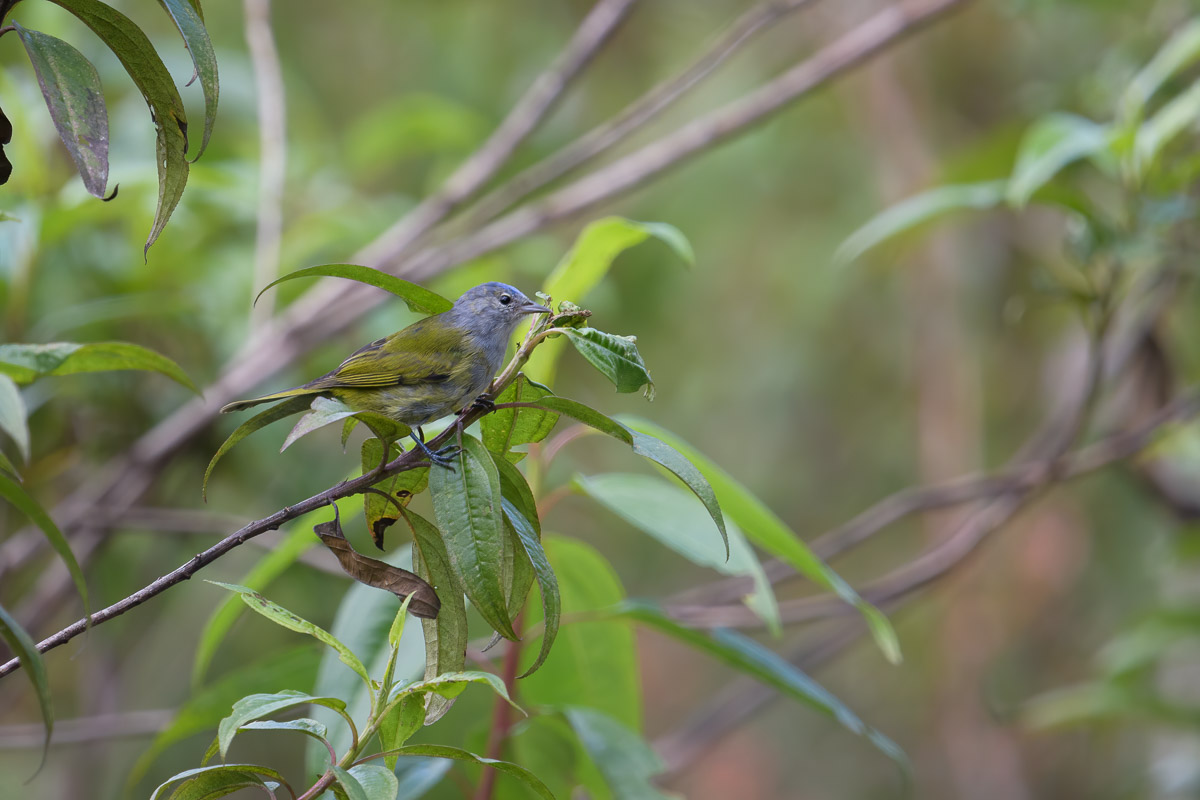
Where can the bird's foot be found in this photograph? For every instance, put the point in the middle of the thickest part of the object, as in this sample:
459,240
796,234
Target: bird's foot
482,403
443,457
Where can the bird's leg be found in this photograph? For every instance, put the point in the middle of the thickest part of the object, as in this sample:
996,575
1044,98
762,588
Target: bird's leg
443,457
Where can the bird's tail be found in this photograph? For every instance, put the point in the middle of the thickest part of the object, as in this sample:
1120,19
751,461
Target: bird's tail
240,405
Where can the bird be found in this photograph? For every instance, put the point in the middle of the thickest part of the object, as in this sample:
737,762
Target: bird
432,368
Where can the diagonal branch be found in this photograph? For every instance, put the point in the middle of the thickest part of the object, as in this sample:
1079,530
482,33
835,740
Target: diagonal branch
636,115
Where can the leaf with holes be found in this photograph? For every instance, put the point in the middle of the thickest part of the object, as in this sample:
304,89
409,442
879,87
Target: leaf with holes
381,575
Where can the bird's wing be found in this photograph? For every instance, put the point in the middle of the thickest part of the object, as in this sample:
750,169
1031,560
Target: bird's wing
417,354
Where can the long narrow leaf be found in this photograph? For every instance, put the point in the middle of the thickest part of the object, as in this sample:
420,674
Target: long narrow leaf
547,582
31,660
748,656
137,55
281,616
446,636
918,210
195,37
71,87
765,529
13,415
417,298
25,362
217,781
13,493
508,768
292,405
466,502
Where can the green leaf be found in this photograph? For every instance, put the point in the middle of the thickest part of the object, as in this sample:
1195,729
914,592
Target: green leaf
292,405
674,518
446,636
207,706
508,768
515,489
1159,130
1179,52
11,491
380,512
505,428
594,662
586,264
418,298
152,79
5,464
588,416
466,503
296,540
190,23
219,780
309,727
400,723
13,416
256,706
676,463
376,782
766,530
917,210
281,616
748,656
547,582
598,245
616,357
624,759
25,362
363,623
71,88
349,783
325,411
452,684
27,654
1051,144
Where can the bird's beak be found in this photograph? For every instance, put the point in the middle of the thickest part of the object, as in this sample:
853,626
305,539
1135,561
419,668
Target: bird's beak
533,308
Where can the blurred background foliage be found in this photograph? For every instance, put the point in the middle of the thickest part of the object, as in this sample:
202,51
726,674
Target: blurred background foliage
822,388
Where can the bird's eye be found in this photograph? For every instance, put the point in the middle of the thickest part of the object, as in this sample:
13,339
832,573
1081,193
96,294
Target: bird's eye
505,299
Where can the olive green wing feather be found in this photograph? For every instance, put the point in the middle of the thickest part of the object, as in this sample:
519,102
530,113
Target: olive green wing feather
418,354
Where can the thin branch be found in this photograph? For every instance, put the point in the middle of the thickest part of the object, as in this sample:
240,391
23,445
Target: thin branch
1014,483
103,727
704,133
634,116
272,139
596,28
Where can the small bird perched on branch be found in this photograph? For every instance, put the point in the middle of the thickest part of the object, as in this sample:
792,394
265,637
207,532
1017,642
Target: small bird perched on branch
432,368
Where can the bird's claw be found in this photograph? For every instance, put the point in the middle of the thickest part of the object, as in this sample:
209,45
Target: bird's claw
445,456
484,403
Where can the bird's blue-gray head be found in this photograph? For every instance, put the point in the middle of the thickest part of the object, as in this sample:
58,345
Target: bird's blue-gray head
494,309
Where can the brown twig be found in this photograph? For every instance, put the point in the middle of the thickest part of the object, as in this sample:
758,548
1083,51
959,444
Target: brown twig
501,715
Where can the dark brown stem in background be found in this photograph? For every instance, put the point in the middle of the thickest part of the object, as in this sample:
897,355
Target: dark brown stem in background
6,28
501,714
